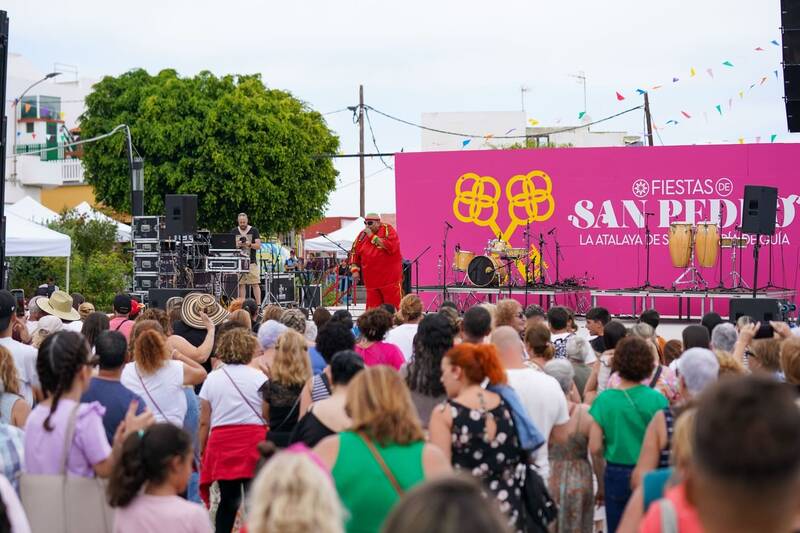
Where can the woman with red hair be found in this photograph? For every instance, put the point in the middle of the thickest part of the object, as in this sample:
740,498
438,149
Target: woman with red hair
475,427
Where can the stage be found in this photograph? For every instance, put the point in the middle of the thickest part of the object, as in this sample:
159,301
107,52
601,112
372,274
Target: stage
582,298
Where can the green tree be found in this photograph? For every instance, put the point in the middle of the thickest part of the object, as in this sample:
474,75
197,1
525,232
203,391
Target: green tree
235,143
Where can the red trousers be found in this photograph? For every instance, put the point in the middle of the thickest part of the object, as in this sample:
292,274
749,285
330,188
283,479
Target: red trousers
390,294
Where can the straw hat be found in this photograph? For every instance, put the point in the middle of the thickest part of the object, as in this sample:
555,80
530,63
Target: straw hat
196,303
59,304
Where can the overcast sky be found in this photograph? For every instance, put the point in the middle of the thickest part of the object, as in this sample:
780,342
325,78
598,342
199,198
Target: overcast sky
442,55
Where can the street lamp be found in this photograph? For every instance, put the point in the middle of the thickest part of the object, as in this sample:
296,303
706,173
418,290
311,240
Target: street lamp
137,187
17,117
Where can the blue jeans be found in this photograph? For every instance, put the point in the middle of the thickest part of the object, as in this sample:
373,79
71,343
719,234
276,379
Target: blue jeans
618,490
191,423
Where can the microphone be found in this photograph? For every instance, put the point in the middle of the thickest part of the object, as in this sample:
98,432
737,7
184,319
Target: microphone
551,231
448,224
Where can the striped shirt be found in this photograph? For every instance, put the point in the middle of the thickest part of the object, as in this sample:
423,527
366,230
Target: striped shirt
320,388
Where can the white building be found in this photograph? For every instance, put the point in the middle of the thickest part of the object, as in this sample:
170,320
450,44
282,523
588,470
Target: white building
42,119
492,125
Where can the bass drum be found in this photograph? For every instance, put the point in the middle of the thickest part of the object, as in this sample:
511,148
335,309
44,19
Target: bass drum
486,270
706,244
680,244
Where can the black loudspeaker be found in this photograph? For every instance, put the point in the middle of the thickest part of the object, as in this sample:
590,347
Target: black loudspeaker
158,297
281,288
181,214
759,309
790,33
406,276
759,210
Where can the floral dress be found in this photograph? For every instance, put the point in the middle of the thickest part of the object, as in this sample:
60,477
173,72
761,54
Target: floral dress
496,462
571,483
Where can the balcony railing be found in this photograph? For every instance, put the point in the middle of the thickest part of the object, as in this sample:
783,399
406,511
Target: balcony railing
57,152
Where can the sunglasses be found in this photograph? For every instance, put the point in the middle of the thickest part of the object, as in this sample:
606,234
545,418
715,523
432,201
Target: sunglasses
369,222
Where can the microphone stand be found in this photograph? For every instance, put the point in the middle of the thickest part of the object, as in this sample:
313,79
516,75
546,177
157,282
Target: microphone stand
339,246
541,259
558,254
447,227
647,235
415,262
721,285
527,258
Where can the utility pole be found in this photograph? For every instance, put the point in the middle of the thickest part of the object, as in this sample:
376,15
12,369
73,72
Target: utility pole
362,211
648,120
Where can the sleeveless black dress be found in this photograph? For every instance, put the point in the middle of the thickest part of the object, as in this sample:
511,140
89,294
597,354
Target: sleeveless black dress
497,463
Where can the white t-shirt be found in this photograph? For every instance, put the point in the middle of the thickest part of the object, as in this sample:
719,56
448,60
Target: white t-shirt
545,403
32,325
75,325
403,337
164,388
227,405
25,361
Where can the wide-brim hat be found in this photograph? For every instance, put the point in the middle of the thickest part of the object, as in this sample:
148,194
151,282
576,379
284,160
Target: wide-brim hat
59,304
196,303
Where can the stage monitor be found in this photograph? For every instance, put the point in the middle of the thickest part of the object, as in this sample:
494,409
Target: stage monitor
758,309
759,210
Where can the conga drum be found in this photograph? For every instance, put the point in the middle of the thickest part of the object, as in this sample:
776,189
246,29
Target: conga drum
706,244
680,244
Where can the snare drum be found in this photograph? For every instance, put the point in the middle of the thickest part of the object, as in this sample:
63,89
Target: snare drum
497,247
680,244
706,244
462,259
485,270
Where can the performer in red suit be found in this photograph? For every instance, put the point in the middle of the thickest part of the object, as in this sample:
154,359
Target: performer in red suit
376,258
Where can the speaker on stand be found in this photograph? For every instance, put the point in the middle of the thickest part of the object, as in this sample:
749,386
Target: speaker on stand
759,209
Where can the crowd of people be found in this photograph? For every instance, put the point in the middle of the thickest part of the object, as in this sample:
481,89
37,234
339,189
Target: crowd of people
199,418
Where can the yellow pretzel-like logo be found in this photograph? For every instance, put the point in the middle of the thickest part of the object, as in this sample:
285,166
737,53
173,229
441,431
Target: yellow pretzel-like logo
479,197
476,202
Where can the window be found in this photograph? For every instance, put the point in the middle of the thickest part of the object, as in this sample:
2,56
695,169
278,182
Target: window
29,127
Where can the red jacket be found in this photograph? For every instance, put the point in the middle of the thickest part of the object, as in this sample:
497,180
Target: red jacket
378,259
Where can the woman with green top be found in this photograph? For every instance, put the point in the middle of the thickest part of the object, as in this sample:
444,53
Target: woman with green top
384,454
621,416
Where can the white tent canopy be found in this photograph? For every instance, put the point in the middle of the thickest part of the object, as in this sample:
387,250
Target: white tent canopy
30,209
123,230
29,239
344,237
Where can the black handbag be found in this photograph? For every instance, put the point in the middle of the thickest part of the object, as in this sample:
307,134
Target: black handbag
540,508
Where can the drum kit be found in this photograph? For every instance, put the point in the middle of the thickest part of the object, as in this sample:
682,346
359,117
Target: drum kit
490,269
691,246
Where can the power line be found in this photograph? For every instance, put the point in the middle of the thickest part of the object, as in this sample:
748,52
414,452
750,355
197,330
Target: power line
375,143
76,143
476,136
348,184
334,112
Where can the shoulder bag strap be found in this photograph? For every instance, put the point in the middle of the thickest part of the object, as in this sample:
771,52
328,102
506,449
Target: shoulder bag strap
121,324
70,434
155,404
654,381
669,516
381,463
635,408
235,386
288,416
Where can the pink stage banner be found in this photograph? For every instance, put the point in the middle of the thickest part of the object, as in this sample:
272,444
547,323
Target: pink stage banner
594,202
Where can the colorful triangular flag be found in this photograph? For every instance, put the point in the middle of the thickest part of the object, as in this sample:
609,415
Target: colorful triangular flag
641,91
741,140
719,109
656,87
772,138
710,72
672,122
509,131
727,63
763,80
580,115
741,95
692,72
759,49
751,87
776,43
533,121
33,135
685,114
465,142
776,74
675,80
620,97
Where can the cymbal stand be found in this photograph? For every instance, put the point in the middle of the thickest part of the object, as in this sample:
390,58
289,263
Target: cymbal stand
441,280
542,280
737,281
527,258
554,231
647,237
721,284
